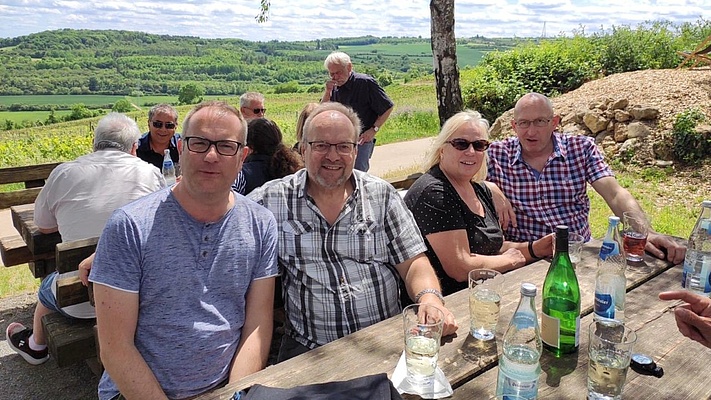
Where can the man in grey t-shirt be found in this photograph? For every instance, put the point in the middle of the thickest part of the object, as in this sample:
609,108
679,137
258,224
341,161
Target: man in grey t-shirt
184,278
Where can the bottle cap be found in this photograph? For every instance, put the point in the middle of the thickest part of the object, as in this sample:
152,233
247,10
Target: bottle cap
613,219
528,289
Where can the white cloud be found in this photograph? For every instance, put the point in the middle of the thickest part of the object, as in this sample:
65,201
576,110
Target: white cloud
308,19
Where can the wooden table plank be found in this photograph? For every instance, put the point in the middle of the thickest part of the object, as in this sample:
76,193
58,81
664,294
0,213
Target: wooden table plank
377,348
658,337
37,242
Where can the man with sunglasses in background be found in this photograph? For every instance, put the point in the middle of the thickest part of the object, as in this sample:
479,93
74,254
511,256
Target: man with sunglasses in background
363,94
346,239
184,278
161,135
544,174
251,105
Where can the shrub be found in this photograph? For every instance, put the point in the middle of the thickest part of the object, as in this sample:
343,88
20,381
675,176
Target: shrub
689,146
288,87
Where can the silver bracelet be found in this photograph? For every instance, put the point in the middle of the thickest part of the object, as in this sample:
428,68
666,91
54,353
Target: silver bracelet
433,291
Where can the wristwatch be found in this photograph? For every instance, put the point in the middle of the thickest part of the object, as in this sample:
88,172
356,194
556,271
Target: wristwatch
376,128
643,364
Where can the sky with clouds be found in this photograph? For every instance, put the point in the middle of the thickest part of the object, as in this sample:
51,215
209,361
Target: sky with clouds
313,19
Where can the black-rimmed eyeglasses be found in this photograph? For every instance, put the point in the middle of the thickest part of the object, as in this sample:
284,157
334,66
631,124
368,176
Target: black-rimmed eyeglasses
161,124
539,122
259,110
343,148
463,144
198,144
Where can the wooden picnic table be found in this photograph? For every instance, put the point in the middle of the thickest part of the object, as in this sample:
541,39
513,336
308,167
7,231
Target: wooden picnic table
685,362
40,246
462,358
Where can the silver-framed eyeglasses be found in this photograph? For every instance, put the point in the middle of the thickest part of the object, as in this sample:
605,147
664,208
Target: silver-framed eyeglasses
343,148
539,122
198,144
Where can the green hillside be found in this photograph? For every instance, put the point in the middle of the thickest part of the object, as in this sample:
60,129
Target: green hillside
80,62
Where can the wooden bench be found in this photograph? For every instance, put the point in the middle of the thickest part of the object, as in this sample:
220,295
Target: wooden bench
401,183
72,340
13,249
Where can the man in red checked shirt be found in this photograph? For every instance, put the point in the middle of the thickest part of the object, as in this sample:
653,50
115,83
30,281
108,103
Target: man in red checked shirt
544,174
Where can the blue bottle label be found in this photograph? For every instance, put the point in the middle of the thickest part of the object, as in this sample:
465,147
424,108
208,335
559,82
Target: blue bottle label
609,249
525,389
604,305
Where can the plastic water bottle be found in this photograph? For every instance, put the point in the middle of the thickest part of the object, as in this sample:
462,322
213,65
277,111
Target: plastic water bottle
610,283
519,365
560,316
168,168
697,264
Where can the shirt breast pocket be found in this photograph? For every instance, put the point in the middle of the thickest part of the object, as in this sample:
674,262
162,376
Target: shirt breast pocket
364,243
297,239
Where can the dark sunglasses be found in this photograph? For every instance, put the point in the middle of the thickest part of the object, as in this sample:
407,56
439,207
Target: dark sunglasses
159,124
463,144
259,110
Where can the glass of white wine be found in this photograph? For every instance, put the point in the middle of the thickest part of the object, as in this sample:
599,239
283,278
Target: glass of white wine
423,324
485,286
609,353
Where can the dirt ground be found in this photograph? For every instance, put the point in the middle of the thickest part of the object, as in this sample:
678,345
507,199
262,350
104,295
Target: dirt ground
20,380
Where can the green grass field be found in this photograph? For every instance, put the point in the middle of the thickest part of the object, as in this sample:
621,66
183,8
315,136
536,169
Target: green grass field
87,100
20,116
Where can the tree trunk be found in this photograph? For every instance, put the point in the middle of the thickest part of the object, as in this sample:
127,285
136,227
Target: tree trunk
444,53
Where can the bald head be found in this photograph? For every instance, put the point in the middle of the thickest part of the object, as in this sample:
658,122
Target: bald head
533,100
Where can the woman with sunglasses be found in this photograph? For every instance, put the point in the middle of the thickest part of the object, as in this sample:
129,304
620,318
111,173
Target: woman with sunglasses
455,212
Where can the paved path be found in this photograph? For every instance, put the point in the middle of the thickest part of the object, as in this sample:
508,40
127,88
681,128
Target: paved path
390,158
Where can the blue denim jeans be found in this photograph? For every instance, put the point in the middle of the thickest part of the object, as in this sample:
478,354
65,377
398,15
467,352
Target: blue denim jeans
365,150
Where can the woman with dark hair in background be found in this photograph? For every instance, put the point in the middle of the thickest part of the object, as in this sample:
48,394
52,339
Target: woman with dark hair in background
269,158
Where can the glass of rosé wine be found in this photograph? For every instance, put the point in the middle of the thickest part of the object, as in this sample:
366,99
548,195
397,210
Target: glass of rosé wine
634,234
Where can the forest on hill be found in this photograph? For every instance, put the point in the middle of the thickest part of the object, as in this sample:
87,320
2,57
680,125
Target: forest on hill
69,61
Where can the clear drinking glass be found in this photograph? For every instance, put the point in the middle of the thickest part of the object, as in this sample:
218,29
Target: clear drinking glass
575,247
634,234
485,287
423,331
609,355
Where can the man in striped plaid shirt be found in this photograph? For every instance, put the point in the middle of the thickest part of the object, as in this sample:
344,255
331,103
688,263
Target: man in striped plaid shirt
544,174
346,238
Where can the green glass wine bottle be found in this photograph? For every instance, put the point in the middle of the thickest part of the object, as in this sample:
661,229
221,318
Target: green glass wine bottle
560,319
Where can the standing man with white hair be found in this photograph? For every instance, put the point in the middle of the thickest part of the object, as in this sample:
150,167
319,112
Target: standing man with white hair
77,200
363,94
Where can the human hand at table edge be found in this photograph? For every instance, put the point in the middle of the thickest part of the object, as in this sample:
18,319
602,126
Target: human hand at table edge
85,268
450,323
693,318
675,252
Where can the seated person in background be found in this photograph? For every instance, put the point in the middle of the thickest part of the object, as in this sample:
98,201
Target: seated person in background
269,158
251,105
346,239
455,211
184,278
305,112
161,135
77,199
693,318
544,174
